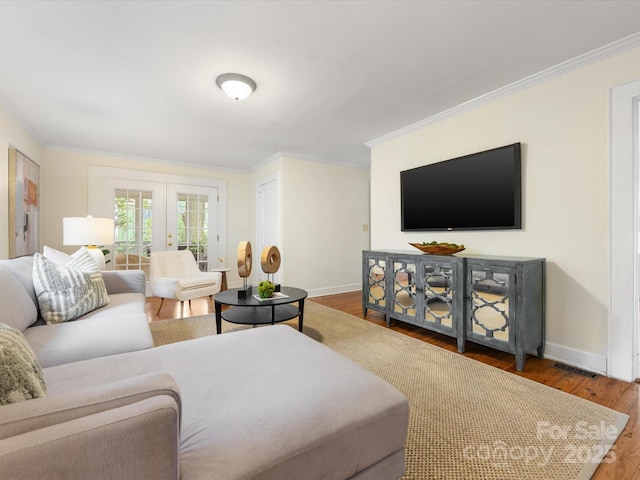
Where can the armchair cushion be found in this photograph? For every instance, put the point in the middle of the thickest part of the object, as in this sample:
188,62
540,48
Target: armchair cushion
203,279
68,291
20,374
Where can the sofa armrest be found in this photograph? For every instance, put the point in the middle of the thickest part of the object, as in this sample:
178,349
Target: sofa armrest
124,281
39,413
140,441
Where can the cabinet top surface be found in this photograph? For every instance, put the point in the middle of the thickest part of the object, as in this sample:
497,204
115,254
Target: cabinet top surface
470,256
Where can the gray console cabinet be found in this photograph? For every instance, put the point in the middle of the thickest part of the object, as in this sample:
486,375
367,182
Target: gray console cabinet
493,301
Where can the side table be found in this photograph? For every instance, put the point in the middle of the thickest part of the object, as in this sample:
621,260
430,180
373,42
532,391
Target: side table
224,276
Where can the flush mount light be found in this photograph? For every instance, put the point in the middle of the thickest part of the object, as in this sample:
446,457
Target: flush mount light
235,85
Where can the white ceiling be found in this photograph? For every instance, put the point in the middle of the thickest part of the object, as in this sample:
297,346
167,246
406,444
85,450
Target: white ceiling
137,78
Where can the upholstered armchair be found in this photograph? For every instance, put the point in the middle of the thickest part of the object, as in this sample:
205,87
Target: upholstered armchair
175,275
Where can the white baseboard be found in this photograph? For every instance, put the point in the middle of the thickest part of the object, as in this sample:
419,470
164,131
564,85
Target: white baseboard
576,358
315,292
320,292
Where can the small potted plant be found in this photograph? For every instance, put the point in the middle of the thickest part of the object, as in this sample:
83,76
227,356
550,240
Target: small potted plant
266,289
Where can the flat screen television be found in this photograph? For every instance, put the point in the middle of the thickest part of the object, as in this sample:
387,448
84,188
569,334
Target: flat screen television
481,191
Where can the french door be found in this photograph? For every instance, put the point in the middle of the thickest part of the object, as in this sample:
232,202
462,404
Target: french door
155,216
189,221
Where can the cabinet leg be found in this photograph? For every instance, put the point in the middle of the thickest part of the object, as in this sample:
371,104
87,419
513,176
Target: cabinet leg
540,351
364,311
461,345
520,362
388,318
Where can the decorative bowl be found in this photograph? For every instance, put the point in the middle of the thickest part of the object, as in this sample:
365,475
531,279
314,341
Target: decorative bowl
438,249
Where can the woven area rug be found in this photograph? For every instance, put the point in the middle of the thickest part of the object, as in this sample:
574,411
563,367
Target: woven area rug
468,420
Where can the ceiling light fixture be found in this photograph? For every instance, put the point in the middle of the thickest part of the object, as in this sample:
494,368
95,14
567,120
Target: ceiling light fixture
235,85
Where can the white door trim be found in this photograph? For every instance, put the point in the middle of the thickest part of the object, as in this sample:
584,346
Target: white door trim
275,215
623,244
96,173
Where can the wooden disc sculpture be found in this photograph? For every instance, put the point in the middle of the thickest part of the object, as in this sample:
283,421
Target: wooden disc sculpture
270,259
244,259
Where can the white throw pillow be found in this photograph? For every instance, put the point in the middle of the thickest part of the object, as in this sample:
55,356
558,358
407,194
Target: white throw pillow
57,256
68,291
20,372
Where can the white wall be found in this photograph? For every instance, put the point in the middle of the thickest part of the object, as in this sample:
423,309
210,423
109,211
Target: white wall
13,135
563,126
324,207
65,182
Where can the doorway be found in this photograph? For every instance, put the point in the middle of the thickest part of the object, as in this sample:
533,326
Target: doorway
154,212
268,218
624,245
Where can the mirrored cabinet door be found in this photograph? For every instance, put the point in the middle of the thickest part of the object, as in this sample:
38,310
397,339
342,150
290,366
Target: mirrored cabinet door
438,281
490,290
374,291
404,289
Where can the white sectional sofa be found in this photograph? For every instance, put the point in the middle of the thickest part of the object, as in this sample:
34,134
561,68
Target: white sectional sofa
261,404
120,326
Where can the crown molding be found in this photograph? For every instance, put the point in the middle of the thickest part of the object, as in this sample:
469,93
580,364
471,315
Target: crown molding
124,156
304,157
594,56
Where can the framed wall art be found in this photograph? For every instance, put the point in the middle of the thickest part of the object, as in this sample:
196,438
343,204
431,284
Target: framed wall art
24,206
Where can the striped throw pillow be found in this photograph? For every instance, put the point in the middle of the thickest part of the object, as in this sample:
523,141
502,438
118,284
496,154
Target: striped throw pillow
68,291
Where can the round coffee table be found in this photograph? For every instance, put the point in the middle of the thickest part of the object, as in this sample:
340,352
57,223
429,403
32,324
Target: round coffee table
251,311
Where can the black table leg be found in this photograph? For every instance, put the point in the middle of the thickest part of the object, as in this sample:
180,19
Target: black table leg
301,316
218,317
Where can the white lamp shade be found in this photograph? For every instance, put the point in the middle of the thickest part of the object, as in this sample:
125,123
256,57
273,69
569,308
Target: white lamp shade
87,231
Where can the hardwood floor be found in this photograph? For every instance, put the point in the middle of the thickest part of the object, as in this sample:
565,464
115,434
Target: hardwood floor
620,396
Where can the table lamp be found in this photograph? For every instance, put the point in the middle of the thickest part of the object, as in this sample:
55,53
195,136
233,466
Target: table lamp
90,232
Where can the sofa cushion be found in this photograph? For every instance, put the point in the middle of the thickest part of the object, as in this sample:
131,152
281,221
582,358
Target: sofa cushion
20,374
68,291
84,338
121,304
264,403
18,310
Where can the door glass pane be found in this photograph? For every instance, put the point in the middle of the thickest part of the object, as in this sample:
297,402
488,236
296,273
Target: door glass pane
133,224
193,228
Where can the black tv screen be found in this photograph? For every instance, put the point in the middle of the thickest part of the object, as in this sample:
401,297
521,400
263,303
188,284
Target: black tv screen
481,191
